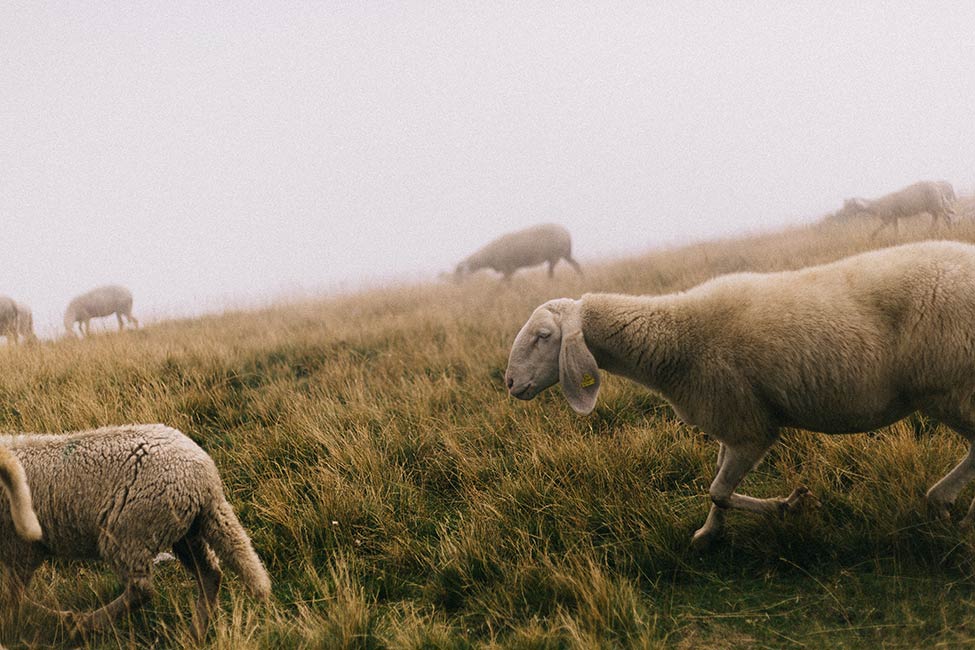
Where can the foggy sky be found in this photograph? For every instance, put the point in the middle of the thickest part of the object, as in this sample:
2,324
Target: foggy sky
212,155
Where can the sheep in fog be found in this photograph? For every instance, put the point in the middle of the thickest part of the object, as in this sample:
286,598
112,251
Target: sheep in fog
103,301
529,247
16,321
840,348
937,198
122,495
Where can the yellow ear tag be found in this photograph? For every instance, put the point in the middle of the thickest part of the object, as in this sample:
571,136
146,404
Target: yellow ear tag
588,380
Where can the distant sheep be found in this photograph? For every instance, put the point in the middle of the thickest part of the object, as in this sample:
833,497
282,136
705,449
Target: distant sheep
530,247
937,198
840,348
103,301
16,321
122,495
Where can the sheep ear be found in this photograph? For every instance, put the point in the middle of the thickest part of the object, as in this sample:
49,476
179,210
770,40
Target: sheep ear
578,373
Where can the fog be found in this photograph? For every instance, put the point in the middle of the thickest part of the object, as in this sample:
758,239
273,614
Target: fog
211,156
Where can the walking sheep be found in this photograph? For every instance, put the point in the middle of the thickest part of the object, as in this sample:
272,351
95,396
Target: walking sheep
124,494
934,197
103,301
545,243
16,321
841,348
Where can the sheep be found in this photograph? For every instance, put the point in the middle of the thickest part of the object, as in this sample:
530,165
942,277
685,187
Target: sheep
544,243
103,301
123,494
844,347
16,321
934,197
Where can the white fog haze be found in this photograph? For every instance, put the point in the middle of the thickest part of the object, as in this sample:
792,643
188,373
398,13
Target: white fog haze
209,155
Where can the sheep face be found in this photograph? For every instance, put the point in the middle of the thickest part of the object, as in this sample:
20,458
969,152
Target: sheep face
550,349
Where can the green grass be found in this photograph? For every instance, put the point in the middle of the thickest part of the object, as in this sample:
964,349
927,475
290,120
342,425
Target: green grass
401,499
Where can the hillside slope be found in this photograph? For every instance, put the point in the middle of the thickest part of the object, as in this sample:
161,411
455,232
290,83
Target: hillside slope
400,499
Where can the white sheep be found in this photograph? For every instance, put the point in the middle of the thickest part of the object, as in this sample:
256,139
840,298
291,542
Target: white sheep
16,321
122,495
937,198
103,301
839,348
529,247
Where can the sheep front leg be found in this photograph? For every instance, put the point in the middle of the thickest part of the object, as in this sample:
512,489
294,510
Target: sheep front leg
737,462
714,524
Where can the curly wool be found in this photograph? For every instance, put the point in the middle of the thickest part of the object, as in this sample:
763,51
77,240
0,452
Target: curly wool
123,494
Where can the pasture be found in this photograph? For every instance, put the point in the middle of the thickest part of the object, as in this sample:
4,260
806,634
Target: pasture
401,499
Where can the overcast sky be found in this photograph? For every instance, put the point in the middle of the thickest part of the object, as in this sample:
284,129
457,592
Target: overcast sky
217,153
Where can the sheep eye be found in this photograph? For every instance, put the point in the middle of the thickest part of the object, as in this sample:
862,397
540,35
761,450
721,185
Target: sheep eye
544,334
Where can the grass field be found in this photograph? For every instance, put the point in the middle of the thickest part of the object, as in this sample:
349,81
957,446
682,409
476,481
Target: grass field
401,499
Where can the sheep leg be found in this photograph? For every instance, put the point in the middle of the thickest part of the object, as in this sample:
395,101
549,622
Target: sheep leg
714,524
737,462
132,319
137,591
121,325
198,560
16,582
883,224
942,494
574,265
551,268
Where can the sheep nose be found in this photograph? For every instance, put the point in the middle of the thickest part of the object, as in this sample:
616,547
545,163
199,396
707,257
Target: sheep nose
510,382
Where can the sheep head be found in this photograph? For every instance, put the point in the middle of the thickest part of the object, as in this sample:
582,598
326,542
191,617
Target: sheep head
551,349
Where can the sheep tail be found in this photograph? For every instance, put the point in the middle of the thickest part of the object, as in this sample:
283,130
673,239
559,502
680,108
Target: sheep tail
14,481
221,529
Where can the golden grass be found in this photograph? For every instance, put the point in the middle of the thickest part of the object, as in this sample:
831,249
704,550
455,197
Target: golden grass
400,499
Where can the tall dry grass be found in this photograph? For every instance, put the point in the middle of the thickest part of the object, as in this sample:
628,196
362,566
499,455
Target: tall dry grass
401,500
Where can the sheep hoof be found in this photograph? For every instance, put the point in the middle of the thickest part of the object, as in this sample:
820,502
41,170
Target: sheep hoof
703,538
941,510
800,499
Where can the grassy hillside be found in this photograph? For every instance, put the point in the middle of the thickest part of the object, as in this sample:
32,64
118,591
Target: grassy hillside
401,499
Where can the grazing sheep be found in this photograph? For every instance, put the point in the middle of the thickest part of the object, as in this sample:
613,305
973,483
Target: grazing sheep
124,494
937,198
103,301
839,348
545,243
16,321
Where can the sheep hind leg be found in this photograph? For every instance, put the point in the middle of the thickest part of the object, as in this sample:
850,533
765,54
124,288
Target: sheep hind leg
883,224
138,590
942,494
574,265
737,462
118,317
198,559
